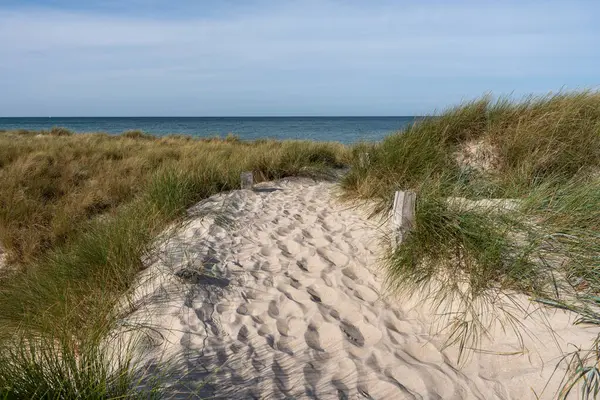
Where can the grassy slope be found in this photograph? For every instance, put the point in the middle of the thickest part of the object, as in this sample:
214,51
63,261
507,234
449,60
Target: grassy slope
539,140
543,152
77,213
50,184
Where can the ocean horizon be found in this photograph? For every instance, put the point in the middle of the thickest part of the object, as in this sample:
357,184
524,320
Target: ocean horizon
319,128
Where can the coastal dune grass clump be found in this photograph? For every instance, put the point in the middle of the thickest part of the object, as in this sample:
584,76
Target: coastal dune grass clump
57,367
493,148
508,200
77,215
541,155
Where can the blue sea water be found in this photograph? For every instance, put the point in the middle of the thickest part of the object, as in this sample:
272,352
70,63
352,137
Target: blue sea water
340,129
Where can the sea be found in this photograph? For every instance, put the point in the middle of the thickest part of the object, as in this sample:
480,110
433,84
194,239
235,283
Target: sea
346,130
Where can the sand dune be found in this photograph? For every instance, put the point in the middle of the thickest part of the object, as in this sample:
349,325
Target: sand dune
276,293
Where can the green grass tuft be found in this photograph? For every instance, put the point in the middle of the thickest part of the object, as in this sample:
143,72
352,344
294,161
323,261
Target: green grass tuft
56,367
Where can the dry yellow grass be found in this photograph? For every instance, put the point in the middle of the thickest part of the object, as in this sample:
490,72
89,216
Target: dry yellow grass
77,214
53,182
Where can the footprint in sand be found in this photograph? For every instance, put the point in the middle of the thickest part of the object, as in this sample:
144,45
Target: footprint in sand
327,337
323,294
287,345
282,231
266,251
243,334
273,310
361,333
299,278
299,296
193,340
337,258
321,242
290,326
312,377
253,308
344,247
312,263
271,266
284,307
265,330
366,293
290,246
356,234
307,234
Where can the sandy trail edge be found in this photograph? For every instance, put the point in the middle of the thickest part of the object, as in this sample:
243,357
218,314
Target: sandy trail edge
291,305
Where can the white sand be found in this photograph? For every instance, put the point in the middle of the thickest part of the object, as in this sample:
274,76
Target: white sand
295,310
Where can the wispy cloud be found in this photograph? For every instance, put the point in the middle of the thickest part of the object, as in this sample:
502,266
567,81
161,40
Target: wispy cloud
297,58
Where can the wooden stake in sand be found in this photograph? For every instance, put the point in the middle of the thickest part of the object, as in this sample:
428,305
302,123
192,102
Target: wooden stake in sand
364,160
247,179
403,215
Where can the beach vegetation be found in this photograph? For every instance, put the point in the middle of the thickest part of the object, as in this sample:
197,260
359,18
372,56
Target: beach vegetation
508,201
78,213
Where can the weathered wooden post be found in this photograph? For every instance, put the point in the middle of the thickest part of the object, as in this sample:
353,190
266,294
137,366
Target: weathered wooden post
247,179
403,215
363,160
2,257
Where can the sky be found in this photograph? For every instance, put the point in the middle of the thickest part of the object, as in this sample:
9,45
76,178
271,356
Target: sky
276,58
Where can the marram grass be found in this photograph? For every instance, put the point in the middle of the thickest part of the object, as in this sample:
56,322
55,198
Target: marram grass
540,157
77,215
78,212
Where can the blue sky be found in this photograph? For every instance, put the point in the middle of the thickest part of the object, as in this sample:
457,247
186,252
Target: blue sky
328,57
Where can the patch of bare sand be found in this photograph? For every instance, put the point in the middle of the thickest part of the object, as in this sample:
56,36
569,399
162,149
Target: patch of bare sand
479,155
276,293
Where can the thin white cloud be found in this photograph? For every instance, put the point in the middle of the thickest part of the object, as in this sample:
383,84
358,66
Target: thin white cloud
287,53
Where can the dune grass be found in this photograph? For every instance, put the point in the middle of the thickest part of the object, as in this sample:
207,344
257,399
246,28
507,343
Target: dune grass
519,146
52,182
57,367
542,152
77,214
540,156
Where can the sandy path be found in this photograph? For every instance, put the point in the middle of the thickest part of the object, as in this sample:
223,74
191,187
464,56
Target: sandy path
291,306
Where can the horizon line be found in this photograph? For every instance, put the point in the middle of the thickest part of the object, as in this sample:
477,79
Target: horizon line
222,116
